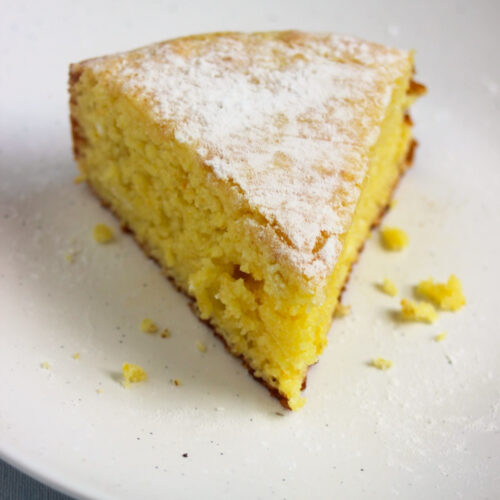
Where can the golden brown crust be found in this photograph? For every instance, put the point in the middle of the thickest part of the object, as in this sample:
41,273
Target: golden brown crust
417,89
79,140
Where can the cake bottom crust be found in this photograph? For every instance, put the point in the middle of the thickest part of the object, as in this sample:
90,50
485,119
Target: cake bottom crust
405,164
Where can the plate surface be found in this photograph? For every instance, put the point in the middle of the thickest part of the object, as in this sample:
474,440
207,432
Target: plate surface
427,427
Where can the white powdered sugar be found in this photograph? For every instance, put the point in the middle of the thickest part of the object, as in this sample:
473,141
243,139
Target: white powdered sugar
289,118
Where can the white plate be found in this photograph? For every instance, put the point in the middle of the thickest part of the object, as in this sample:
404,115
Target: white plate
429,427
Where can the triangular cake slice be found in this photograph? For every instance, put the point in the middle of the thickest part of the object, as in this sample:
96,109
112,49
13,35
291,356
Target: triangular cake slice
251,167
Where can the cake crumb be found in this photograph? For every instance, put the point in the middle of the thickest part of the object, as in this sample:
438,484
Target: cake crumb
79,179
133,373
381,363
176,382
394,239
165,334
440,336
447,296
70,256
76,355
148,326
388,287
45,365
99,391
342,310
412,310
201,346
103,234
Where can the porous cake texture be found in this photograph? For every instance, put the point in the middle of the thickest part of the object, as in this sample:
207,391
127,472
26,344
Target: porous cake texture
251,167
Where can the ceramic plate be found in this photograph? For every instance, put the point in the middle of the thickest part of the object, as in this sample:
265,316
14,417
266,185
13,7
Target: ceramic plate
428,427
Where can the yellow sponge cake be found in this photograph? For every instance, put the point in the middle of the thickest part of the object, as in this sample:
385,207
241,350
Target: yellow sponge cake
251,167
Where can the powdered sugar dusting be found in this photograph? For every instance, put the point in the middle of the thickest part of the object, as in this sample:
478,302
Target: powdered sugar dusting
288,117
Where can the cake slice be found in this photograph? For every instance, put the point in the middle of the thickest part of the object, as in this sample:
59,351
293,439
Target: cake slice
251,167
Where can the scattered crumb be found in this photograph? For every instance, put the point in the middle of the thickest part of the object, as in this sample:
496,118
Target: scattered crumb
185,455
76,355
341,310
79,179
148,326
165,333
440,336
176,382
201,346
103,234
70,256
447,296
132,373
394,239
99,391
412,310
388,287
393,203
45,365
381,363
